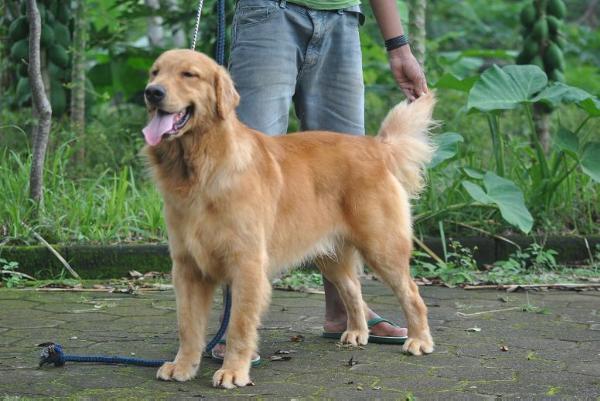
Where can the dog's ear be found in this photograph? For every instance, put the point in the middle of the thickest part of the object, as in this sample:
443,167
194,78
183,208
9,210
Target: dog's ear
227,96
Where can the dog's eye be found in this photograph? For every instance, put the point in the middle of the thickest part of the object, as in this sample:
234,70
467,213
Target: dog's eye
154,73
187,74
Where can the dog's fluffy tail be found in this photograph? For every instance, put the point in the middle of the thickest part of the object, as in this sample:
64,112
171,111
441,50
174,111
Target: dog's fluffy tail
406,129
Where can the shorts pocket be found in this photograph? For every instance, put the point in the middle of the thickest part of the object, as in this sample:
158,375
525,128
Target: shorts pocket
254,14
352,19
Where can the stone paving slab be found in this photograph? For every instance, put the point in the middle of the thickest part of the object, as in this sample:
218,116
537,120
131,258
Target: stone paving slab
552,352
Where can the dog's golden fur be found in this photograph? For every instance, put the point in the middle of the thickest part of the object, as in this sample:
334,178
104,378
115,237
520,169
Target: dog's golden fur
240,205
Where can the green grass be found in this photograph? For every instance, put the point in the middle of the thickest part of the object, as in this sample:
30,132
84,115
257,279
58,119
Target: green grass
115,206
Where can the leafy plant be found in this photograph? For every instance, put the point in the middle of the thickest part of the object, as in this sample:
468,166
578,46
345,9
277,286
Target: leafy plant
534,260
299,280
536,176
10,277
506,196
458,266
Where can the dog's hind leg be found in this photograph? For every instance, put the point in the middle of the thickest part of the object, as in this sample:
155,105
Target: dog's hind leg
251,292
392,265
383,233
341,270
194,298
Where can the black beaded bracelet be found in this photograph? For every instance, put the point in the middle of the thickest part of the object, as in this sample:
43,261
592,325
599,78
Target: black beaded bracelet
396,42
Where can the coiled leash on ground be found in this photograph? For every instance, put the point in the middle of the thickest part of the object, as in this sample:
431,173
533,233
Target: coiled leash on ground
53,353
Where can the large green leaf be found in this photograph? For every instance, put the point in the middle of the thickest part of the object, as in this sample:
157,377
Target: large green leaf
477,193
506,196
447,147
567,141
506,88
590,160
561,93
473,173
591,106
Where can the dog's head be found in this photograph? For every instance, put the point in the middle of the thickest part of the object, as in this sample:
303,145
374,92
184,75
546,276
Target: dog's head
186,90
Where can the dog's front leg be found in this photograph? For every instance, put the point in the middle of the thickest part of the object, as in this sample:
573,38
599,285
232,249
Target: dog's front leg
194,297
251,291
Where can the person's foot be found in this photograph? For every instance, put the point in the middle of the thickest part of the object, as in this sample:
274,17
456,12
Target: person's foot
337,324
218,352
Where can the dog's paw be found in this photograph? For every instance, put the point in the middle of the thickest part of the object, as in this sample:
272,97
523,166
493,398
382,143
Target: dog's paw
176,371
229,378
355,337
419,345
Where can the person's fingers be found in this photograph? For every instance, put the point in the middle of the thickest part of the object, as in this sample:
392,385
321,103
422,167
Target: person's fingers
407,89
420,86
423,86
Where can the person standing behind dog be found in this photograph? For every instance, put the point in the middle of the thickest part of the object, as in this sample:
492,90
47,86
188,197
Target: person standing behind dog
307,52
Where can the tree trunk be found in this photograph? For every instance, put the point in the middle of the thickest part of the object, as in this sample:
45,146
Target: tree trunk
417,28
40,101
78,79
155,30
178,32
541,118
590,17
12,10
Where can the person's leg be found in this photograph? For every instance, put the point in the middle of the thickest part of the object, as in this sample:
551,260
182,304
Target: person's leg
330,89
330,96
267,50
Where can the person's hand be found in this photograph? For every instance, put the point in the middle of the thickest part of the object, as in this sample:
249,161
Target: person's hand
408,73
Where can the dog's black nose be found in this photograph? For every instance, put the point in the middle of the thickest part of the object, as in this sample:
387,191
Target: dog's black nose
155,93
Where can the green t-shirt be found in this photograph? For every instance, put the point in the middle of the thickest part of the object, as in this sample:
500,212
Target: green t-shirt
326,4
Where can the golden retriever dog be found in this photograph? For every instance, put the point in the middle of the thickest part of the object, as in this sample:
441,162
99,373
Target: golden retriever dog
240,205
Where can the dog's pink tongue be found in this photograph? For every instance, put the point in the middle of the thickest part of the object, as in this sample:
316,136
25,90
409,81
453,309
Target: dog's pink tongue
160,124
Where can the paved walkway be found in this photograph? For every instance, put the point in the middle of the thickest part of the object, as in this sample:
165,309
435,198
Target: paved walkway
484,350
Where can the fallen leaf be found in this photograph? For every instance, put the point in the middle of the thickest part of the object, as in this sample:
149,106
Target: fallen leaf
473,330
423,281
504,348
512,288
359,388
376,387
135,274
284,352
280,358
297,338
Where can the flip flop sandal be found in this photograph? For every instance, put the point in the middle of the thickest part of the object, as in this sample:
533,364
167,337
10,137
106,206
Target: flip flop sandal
255,362
373,338
384,339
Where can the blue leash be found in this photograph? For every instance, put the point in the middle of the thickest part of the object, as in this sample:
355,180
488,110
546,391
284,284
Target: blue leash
53,353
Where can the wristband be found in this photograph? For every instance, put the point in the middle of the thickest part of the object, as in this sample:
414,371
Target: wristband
396,42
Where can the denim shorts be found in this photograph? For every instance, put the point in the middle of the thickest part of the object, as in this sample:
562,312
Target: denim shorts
283,53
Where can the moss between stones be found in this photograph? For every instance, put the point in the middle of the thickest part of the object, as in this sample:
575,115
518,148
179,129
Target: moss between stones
90,262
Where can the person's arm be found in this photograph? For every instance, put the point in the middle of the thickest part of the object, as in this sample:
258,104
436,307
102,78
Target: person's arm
407,71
